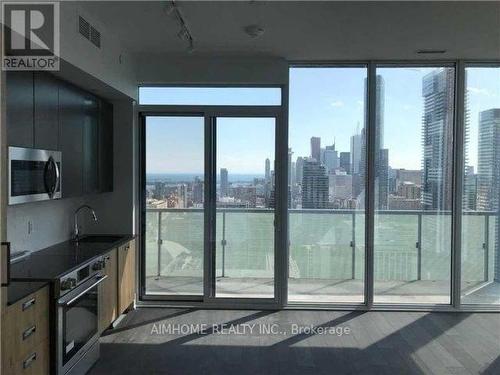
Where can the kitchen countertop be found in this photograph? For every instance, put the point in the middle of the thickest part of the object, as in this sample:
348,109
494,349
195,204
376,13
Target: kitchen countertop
55,261
17,290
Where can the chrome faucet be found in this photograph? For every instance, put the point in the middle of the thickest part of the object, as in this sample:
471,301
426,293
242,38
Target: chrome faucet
76,234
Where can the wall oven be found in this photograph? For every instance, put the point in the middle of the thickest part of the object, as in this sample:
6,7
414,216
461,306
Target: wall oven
78,320
34,175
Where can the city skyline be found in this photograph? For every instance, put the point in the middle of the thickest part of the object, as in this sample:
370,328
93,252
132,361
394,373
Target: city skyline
331,172
339,112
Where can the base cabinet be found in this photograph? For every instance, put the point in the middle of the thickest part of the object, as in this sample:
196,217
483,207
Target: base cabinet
117,292
126,276
25,335
108,293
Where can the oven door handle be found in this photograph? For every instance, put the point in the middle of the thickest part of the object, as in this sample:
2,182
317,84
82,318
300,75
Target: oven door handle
99,280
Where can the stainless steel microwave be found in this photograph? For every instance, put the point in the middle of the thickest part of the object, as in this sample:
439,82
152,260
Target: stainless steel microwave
34,175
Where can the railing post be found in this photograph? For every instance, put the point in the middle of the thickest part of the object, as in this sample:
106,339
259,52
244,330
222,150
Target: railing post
353,245
159,240
486,246
223,243
419,248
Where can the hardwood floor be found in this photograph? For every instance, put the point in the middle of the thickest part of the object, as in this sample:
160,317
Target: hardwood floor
355,343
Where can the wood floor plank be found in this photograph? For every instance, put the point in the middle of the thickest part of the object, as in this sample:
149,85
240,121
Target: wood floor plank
378,343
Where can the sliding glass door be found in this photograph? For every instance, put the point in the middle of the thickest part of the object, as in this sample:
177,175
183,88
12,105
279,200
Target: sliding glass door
174,205
245,207
216,168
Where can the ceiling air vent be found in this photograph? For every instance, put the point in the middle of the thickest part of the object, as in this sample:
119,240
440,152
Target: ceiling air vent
84,27
95,37
89,32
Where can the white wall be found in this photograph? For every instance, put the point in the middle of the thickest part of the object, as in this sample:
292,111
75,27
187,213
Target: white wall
52,222
210,70
103,63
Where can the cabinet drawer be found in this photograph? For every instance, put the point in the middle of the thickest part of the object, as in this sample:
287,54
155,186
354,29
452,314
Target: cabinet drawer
35,362
25,326
26,313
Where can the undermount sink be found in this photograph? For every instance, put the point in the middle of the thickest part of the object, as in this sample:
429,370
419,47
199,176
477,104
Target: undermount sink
99,239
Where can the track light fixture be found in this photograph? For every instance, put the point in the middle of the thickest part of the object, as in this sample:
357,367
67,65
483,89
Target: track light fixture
184,33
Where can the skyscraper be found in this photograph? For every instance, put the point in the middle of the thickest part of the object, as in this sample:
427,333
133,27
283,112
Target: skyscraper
298,169
182,201
314,185
197,190
330,158
382,179
469,200
356,149
437,138
355,152
381,154
488,171
268,170
316,148
290,174
345,162
224,182
340,187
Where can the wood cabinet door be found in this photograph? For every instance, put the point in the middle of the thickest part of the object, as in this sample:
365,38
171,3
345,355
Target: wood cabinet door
19,108
126,276
108,294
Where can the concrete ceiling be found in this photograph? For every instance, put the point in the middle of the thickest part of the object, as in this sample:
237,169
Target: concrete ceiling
326,30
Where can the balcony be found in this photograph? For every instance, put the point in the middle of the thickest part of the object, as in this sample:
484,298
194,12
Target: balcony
412,259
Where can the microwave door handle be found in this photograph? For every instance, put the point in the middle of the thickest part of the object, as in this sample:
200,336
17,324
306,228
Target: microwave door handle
58,177
51,190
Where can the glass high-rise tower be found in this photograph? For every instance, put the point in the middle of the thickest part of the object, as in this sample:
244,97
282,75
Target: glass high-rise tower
437,138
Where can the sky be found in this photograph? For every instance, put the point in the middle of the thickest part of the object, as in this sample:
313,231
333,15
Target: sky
324,102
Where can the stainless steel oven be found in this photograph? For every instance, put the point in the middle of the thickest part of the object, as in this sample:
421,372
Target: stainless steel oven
77,322
34,175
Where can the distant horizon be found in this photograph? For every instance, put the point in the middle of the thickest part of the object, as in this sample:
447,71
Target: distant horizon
176,177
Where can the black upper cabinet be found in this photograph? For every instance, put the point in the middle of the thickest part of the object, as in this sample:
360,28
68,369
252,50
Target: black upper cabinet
91,145
71,113
105,146
46,128
47,113
19,110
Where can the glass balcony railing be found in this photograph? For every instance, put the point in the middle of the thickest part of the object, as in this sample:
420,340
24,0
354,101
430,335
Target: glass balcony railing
324,245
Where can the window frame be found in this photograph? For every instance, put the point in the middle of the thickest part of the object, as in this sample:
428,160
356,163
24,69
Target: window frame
209,112
458,152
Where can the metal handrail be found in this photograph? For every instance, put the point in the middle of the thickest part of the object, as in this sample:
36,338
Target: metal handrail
324,211
353,212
